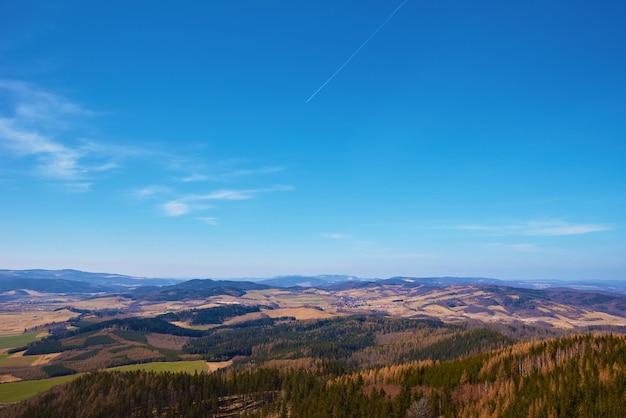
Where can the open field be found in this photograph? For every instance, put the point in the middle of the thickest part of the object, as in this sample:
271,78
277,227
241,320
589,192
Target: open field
115,302
19,360
12,322
291,298
203,327
18,391
20,340
158,308
216,365
244,318
6,378
298,313
169,366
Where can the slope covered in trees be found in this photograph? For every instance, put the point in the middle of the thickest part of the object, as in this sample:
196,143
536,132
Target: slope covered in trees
575,376
215,315
358,341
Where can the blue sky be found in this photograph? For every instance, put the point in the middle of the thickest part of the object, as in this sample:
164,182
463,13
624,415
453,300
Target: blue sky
371,138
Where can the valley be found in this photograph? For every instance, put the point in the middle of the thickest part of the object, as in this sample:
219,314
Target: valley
337,330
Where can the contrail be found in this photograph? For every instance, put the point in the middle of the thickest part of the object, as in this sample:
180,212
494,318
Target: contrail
357,51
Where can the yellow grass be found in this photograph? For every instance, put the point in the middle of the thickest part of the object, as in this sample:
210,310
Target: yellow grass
216,365
298,313
245,318
437,310
12,323
168,366
498,308
45,359
560,322
289,299
102,303
7,378
20,360
150,308
225,299
603,318
34,292
189,326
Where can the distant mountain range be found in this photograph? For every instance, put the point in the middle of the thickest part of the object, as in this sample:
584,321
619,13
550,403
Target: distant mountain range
310,281
75,281
555,304
346,282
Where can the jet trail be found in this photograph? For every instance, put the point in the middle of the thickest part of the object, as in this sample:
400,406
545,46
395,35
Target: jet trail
357,51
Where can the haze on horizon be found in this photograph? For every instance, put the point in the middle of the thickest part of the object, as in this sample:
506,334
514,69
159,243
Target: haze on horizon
251,139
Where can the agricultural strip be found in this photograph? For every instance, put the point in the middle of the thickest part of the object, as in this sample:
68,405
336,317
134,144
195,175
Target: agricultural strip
168,366
20,340
18,391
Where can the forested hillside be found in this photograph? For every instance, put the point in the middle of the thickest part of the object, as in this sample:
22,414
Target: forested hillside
575,376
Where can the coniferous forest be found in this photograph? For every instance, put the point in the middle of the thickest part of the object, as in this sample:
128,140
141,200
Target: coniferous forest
363,366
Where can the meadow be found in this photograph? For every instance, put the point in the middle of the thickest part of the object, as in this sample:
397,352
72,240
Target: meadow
167,366
19,340
18,391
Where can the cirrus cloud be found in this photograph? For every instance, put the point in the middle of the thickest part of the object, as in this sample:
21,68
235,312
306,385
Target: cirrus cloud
175,208
534,228
43,126
187,204
335,236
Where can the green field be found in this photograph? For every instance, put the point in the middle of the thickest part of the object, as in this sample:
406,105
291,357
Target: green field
19,340
18,361
168,366
18,391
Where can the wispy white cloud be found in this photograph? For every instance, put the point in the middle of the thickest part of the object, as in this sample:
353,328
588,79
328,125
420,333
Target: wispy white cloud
534,228
175,208
336,236
556,228
43,134
151,191
41,125
519,247
207,220
105,167
189,203
225,195
195,178
38,106
226,175
78,187
236,194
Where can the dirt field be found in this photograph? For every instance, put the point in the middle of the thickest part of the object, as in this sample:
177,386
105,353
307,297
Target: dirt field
102,303
216,365
12,323
298,313
7,378
19,360
245,318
